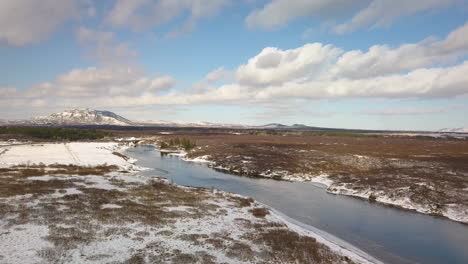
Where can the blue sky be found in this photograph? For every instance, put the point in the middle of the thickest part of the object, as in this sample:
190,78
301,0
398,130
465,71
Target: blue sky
375,64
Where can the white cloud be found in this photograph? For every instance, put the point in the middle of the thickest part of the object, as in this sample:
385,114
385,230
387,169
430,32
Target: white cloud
384,12
433,82
278,13
410,111
80,90
144,14
382,59
427,69
364,13
30,21
162,83
7,91
274,66
103,46
316,64
104,82
210,79
279,111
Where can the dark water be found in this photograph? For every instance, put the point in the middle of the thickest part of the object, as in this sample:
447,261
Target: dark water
389,234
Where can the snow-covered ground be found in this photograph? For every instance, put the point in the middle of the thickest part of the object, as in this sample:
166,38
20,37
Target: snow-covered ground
201,159
79,153
456,212
196,233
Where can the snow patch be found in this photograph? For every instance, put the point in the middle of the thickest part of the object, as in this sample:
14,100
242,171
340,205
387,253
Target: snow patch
201,159
22,245
110,206
77,153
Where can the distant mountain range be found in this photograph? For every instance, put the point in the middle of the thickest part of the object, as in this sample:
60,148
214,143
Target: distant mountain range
90,117
82,117
454,130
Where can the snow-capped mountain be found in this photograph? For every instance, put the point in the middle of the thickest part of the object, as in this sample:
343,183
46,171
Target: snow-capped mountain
83,117
190,124
454,130
97,117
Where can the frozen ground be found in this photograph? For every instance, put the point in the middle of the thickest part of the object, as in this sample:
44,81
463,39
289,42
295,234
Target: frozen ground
80,154
425,174
400,197
104,214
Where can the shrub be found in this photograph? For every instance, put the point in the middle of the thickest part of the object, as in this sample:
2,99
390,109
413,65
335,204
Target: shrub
259,212
55,133
185,143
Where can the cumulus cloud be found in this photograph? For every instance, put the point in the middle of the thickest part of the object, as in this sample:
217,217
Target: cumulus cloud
144,14
29,21
319,62
103,46
427,69
104,82
420,83
433,82
382,59
274,66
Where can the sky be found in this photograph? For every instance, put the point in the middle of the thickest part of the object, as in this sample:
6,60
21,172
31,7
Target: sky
371,64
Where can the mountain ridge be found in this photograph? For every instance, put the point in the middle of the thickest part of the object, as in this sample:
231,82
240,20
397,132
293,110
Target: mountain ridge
92,117
82,117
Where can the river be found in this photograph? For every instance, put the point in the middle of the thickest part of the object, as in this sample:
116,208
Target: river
389,234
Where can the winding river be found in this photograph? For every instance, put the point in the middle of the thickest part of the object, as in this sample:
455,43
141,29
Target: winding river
389,234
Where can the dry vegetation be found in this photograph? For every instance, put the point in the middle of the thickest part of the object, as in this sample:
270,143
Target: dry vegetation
98,215
430,172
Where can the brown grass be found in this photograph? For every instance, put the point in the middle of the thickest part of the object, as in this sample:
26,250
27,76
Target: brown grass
289,247
56,169
78,220
387,163
242,201
240,251
259,212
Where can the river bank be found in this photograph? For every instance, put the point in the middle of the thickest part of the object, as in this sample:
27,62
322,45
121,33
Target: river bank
390,234
87,202
427,175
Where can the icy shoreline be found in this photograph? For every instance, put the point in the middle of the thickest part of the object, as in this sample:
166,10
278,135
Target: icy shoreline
336,244
455,212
